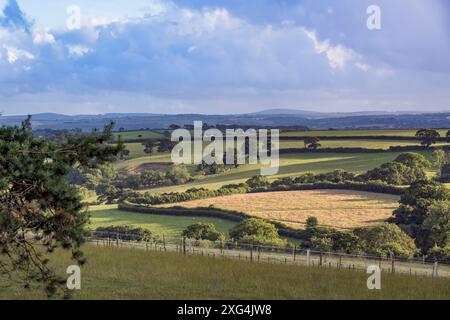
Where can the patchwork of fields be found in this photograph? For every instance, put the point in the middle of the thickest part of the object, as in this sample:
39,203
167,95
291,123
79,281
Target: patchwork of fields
339,209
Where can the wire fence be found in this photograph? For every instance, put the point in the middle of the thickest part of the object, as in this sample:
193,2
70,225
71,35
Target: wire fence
289,255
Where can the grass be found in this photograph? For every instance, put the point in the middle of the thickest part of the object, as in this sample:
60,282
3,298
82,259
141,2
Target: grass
336,208
370,144
169,226
346,133
113,273
139,134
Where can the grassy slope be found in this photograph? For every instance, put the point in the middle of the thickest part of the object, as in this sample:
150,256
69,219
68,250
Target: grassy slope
134,274
169,226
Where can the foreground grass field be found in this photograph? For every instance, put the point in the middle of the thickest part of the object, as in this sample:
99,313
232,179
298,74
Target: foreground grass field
113,273
336,208
169,226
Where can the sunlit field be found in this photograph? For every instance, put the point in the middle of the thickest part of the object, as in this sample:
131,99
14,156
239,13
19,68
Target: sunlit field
336,208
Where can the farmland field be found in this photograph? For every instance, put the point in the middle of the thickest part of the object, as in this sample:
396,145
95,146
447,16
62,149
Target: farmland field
169,226
120,273
290,165
140,134
369,144
344,133
336,208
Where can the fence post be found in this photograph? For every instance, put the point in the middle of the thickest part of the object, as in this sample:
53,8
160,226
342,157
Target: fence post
184,245
308,257
340,261
435,269
393,263
295,252
320,259
164,242
251,253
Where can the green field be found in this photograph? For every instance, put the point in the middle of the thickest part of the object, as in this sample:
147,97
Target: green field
139,134
112,273
169,226
291,165
370,144
346,133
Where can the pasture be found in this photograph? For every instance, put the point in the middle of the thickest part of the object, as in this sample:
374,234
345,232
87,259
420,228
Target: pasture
121,273
169,226
139,135
290,165
347,133
335,208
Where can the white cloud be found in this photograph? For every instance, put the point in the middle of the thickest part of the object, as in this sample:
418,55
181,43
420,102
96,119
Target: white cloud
42,36
338,55
78,50
14,54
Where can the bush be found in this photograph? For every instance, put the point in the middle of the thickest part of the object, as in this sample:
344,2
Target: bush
386,239
178,174
440,254
202,231
126,233
404,170
256,231
258,182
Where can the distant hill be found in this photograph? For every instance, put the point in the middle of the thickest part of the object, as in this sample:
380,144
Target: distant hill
278,118
318,115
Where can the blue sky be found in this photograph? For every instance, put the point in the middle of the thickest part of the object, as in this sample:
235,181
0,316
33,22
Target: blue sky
223,56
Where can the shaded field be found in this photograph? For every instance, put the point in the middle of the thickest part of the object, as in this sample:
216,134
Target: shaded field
121,273
337,208
169,226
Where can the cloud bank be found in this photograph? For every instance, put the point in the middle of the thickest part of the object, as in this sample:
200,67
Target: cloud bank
183,57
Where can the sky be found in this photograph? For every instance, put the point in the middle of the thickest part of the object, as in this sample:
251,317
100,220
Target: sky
222,56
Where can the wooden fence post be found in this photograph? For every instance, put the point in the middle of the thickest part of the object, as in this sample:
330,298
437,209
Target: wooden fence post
308,257
184,245
393,263
251,253
435,269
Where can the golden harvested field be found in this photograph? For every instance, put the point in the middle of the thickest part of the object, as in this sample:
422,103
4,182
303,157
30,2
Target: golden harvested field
336,208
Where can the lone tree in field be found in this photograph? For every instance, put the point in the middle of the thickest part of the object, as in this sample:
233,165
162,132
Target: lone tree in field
312,143
40,211
148,146
428,136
